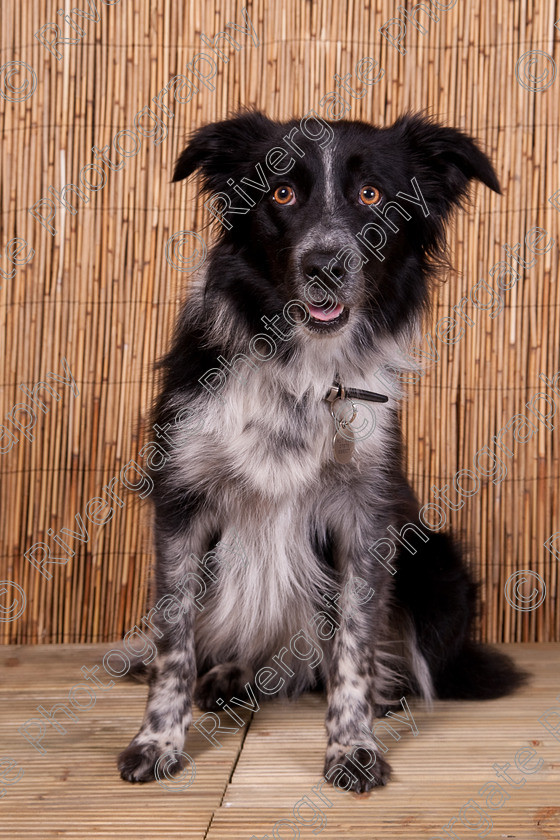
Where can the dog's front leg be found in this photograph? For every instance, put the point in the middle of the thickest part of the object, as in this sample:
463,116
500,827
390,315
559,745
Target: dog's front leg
173,671
352,759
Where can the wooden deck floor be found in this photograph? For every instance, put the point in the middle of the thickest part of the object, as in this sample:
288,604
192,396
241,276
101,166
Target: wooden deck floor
240,791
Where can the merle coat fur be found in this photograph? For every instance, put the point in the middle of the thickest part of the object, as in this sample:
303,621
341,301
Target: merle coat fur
259,465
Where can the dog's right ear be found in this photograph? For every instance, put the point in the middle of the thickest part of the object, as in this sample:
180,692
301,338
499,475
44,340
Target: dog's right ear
220,149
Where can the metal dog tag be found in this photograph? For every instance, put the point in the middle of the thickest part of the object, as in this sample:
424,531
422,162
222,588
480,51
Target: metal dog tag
343,444
343,440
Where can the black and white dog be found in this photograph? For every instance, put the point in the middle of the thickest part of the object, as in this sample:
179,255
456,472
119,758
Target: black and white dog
330,234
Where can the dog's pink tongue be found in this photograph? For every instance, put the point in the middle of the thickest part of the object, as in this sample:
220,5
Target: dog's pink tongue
322,315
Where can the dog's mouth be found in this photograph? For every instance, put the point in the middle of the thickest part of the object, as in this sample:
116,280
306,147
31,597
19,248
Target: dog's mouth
327,318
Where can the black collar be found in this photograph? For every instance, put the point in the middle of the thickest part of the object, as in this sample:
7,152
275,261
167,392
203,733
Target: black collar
338,391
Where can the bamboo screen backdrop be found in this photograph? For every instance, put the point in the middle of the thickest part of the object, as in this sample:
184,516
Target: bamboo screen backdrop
94,302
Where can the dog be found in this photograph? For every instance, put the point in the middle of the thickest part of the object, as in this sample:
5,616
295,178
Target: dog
331,235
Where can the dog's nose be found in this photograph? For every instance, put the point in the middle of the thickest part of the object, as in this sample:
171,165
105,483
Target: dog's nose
314,262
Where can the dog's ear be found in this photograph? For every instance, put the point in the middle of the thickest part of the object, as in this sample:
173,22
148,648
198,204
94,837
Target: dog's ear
220,149
445,160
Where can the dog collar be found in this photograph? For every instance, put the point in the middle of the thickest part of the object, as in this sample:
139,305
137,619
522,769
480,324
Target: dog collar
337,391
343,442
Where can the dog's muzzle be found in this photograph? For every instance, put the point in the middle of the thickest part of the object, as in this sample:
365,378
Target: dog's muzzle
325,275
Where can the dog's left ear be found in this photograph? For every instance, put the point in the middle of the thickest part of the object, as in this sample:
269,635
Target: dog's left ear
444,161
220,149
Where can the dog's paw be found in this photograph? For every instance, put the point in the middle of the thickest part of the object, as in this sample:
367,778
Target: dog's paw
221,682
144,762
356,768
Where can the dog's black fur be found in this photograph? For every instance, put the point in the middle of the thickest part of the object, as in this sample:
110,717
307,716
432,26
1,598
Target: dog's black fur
259,465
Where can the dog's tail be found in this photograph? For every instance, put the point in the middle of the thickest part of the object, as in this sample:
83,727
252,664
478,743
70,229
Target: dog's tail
437,591
478,672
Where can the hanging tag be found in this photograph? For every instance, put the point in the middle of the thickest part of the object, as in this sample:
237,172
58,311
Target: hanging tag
343,440
343,444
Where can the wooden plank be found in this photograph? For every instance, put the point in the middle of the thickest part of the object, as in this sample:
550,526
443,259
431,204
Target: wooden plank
74,791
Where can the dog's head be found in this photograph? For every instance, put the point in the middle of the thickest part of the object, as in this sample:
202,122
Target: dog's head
346,217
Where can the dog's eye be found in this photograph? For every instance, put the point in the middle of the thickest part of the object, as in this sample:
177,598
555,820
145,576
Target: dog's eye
284,195
370,195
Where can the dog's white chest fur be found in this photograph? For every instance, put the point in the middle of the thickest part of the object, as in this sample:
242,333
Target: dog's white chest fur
261,456
272,437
